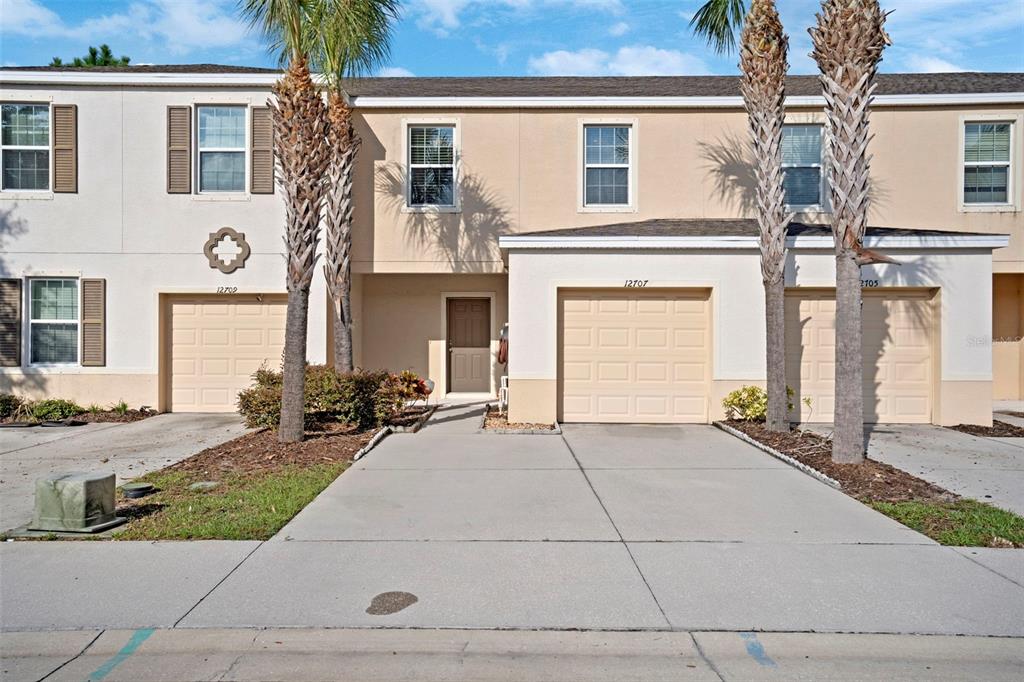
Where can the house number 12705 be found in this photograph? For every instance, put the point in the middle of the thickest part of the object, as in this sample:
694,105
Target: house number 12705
635,283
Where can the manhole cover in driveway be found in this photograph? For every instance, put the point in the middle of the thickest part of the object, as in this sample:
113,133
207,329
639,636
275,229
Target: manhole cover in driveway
386,603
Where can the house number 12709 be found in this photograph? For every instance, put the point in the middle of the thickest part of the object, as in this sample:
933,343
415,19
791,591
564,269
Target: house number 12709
636,283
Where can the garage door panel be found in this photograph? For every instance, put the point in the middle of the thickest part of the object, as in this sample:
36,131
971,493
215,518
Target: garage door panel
636,357
897,355
216,346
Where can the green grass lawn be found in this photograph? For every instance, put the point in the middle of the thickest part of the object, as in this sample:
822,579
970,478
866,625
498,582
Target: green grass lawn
242,507
966,523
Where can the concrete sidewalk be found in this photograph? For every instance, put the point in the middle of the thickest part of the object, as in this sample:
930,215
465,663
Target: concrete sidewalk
606,528
182,655
127,450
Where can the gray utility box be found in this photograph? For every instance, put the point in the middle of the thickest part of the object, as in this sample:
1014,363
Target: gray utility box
76,503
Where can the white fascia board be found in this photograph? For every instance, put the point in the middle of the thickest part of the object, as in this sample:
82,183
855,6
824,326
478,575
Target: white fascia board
526,241
87,77
368,102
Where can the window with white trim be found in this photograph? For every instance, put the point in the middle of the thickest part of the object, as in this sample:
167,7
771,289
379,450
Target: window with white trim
431,165
987,171
221,138
25,147
53,321
803,177
606,165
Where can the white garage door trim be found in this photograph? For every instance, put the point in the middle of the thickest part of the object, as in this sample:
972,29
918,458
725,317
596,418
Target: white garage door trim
899,385
210,350
634,356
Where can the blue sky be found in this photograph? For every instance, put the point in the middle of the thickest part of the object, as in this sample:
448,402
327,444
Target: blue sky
510,37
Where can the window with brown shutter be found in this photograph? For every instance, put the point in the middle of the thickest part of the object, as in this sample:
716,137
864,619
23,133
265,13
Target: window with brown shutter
179,150
65,148
10,322
94,322
262,179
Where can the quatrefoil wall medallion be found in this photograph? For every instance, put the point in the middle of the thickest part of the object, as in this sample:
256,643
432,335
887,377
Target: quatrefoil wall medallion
227,250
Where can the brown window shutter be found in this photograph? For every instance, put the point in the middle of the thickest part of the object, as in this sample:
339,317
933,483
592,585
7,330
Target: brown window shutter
179,150
10,322
65,148
262,180
94,322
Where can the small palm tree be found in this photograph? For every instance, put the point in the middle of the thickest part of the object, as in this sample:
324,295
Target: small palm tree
848,42
353,37
101,56
300,142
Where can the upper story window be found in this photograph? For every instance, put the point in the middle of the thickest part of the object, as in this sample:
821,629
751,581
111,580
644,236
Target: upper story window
53,321
25,146
432,165
221,148
987,169
801,165
606,165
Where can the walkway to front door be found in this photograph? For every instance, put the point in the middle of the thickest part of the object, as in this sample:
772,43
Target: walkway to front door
469,357
608,527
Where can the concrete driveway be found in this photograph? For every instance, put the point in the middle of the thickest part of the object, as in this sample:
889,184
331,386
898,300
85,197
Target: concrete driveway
624,527
128,450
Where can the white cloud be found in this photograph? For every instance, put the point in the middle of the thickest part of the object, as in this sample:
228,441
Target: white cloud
926,64
28,18
442,16
395,72
635,60
619,29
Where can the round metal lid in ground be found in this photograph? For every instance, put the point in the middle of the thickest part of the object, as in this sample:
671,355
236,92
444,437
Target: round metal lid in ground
135,490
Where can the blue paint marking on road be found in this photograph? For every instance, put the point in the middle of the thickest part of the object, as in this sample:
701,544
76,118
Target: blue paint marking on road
137,638
756,651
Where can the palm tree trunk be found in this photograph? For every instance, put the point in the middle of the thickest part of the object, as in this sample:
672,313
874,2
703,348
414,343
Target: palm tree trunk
344,145
300,130
777,417
848,42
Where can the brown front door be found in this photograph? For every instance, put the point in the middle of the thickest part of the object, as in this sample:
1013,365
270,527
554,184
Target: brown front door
469,340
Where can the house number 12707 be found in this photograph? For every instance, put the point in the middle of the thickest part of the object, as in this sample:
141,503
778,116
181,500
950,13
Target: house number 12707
636,283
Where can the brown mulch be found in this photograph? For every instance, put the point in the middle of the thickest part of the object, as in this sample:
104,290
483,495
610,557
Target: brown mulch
109,416
1011,413
870,481
261,451
997,430
409,415
499,420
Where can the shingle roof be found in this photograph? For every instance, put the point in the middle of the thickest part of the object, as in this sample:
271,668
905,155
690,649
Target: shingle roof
594,86
715,227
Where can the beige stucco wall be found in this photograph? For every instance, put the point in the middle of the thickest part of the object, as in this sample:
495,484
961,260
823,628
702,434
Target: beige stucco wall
401,321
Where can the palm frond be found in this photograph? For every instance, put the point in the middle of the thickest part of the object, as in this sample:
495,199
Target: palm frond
282,23
718,21
351,37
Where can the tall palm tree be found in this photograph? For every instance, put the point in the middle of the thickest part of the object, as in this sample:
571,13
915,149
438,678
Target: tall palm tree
300,141
763,65
352,37
848,42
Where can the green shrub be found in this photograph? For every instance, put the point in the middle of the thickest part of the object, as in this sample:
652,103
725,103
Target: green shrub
9,404
750,403
363,398
55,409
120,407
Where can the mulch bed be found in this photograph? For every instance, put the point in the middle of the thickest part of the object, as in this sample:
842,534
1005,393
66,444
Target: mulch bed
870,481
261,452
499,420
1011,413
410,415
997,430
109,416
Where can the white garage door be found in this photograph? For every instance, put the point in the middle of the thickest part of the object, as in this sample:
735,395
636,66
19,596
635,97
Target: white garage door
630,356
897,355
216,343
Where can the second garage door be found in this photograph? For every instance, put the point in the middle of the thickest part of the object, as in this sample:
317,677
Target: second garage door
897,355
634,356
216,343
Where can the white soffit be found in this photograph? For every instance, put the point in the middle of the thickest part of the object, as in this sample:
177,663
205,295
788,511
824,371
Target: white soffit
951,241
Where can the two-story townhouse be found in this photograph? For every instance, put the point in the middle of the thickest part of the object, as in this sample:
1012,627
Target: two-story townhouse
603,224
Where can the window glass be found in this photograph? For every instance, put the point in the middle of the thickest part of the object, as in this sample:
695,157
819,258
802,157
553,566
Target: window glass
987,163
606,165
431,165
801,164
25,146
221,149
53,307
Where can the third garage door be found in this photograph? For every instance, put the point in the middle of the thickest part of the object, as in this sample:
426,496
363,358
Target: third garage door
897,354
631,356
